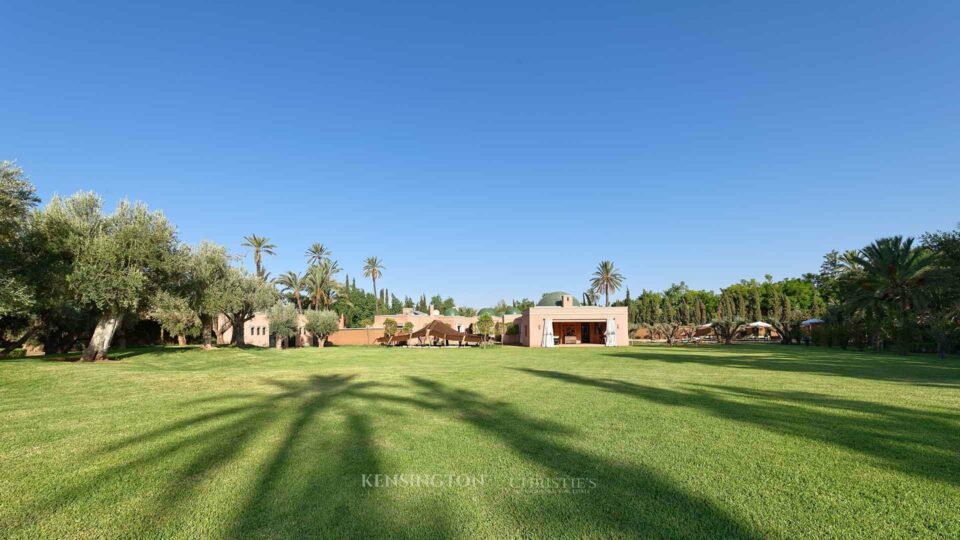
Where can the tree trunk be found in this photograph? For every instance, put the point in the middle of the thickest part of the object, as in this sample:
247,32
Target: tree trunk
15,344
320,340
279,341
207,330
221,330
181,340
102,337
238,332
376,300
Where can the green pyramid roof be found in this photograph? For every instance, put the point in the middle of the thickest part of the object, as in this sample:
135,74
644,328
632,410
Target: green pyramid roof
555,298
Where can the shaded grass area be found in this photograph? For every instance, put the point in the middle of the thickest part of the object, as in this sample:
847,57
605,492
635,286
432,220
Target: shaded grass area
744,442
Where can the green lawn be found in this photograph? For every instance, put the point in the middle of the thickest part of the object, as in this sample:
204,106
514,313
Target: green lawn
743,441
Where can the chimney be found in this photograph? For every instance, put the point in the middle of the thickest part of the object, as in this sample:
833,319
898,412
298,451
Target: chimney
566,301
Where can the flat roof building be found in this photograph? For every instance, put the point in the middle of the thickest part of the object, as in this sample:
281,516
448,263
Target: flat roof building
558,320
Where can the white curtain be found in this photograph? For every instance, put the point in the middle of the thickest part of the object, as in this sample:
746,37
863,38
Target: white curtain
611,336
548,333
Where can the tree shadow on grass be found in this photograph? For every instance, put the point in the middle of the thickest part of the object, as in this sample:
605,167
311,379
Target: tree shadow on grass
925,370
120,354
310,485
308,443
921,443
627,500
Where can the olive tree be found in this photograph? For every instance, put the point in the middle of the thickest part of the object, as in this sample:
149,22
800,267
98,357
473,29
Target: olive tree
728,321
17,298
208,268
389,327
283,322
239,296
124,260
51,239
322,324
175,315
485,326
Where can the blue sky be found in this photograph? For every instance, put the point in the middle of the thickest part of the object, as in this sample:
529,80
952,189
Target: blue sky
705,143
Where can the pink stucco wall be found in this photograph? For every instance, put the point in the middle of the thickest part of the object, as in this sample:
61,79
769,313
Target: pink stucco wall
532,320
455,322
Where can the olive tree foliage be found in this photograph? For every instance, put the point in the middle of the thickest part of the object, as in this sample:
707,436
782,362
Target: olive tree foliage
389,327
239,295
322,323
50,240
17,197
175,315
17,290
206,268
485,326
118,261
283,322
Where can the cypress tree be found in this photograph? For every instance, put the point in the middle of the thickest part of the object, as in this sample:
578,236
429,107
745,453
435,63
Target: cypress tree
757,312
741,305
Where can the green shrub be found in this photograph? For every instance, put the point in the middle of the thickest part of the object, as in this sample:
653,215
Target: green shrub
389,327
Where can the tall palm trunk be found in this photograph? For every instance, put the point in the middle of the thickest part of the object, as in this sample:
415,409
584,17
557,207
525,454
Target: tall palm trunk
376,299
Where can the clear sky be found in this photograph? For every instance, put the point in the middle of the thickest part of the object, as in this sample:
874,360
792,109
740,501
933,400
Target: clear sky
705,143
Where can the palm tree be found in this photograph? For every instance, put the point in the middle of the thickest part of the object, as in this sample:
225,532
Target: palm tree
295,283
607,279
261,245
318,253
373,269
321,285
890,275
892,271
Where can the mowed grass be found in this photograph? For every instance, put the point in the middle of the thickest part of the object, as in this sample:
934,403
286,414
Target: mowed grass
742,441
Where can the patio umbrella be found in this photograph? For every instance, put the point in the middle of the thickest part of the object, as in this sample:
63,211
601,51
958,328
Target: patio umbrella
811,322
759,324
548,333
611,340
